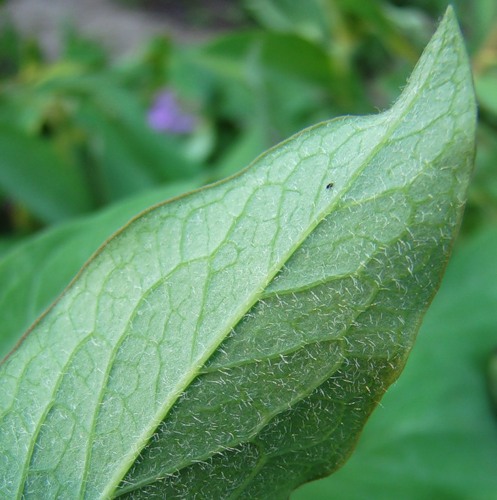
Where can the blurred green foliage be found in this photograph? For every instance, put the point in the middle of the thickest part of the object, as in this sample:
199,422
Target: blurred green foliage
74,133
76,138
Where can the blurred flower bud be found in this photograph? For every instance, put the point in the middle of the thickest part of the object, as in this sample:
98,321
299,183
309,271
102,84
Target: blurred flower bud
166,115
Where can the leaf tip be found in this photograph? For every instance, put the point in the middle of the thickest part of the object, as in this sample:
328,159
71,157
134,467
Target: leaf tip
449,22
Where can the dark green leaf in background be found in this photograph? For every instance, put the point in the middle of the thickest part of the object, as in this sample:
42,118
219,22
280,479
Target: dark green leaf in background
33,174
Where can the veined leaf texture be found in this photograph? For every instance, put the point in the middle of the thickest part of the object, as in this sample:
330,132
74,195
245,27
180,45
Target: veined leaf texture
232,342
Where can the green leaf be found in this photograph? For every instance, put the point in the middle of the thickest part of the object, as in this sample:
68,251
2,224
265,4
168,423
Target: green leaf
120,170
250,144
35,272
274,77
435,434
487,92
233,342
32,173
308,19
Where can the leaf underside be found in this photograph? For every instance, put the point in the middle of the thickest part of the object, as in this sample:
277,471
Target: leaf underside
232,342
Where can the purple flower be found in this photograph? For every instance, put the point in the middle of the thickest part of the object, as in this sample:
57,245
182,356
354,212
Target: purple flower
165,115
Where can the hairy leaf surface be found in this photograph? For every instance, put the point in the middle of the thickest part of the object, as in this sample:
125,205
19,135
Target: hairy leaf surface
232,342
435,433
35,272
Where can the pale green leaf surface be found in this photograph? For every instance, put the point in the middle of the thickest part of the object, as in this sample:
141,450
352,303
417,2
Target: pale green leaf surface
435,434
35,272
251,327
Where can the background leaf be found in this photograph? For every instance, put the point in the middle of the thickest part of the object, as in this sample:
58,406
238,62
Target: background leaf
270,286
31,172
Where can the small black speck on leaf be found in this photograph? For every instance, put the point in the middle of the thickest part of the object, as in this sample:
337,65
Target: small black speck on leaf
329,186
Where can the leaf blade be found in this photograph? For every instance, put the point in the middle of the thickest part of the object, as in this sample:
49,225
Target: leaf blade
258,224
44,264
406,448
